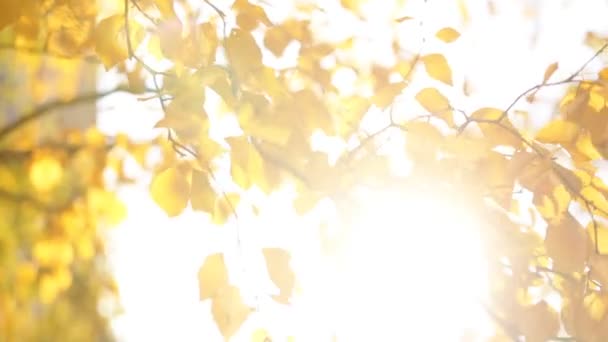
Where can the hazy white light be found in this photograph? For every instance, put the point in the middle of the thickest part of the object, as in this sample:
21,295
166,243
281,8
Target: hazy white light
414,271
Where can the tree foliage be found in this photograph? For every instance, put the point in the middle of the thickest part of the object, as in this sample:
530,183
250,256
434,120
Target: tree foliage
231,111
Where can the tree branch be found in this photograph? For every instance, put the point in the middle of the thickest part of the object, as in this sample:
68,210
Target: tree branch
47,108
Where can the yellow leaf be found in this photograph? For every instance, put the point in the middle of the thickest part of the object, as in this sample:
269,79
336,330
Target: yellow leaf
404,18
602,237
558,132
603,74
249,15
435,103
539,322
277,263
550,70
110,39
11,10
352,5
592,195
224,207
264,128
202,195
503,134
229,311
385,95
585,146
243,53
423,141
45,173
246,164
212,276
261,335
166,8
566,244
447,34
276,40
438,68
170,189
53,252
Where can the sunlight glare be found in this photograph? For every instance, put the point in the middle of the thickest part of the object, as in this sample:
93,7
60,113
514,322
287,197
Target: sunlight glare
414,271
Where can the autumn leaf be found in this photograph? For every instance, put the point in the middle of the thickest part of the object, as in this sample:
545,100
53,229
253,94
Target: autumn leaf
550,71
566,244
225,206
276,40
447,34
45,172
539,322
404,18
111,42
277,263
170,189
246,164
202,195
438,68
212,276
558,132
385,95
10,13
228,310
434,102
166,8
243,53
500,134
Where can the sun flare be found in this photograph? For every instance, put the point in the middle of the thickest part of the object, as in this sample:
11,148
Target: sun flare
412,270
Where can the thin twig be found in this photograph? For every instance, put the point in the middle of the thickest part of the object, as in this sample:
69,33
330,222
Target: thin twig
564,81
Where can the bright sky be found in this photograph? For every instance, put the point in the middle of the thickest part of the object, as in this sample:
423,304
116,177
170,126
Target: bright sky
156,259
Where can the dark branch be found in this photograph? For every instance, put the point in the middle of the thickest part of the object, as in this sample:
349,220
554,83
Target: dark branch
47,108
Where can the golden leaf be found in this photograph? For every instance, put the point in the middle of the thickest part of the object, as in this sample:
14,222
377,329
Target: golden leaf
585,146
550,71
438,68
277,263
447,34
53,252
503,134
45,172
110,39
592,195
558,132
423,141
539,322
435,103
249,15
260,335
170,189
166,8
264,128
224,207
385,95
276,40
602,238
11,10
246,164
202,195
566,244
229,311
212,276
404,18
243,53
